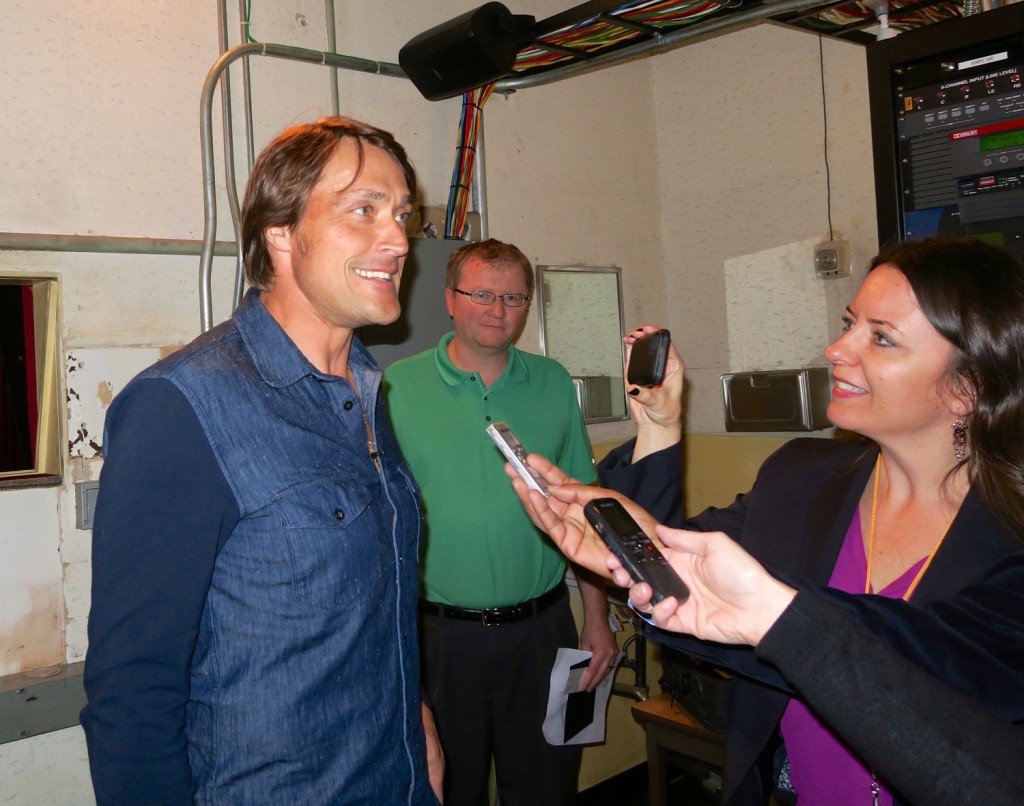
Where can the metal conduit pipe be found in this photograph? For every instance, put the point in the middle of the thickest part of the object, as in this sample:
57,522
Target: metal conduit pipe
659,43
230,181
332,46
206,139
250,144
479,196
49,242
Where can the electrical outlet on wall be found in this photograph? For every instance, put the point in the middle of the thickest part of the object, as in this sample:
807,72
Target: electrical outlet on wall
832,259
85,503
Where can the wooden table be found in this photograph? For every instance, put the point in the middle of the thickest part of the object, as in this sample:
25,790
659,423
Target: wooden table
670,727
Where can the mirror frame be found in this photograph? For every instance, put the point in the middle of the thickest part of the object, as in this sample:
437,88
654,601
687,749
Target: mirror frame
545,271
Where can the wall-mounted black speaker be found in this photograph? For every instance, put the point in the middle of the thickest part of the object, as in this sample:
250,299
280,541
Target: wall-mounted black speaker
467,52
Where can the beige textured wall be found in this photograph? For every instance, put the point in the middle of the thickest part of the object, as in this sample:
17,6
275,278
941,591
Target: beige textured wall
573,177
742,172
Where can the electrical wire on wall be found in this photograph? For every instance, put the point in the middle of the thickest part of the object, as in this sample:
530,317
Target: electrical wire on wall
824,136
247,22
629,23
903,14
465,160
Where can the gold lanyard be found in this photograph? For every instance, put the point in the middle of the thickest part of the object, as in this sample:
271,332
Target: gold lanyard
875,786
871,539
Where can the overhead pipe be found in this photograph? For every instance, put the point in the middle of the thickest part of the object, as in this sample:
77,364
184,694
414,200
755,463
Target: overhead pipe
206,138
50,242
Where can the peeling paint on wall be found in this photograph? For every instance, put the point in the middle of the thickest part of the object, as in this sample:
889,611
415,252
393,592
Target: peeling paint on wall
78,434
94,377
105,393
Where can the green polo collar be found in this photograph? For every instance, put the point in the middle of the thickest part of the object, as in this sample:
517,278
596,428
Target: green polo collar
515,369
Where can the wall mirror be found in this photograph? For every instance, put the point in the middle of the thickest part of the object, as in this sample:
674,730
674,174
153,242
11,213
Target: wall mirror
581,328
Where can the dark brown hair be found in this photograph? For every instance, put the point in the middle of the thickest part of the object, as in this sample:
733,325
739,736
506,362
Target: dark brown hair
286,172
973,295
492,252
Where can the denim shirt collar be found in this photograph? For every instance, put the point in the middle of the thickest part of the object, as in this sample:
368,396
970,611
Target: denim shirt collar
515,368
276,357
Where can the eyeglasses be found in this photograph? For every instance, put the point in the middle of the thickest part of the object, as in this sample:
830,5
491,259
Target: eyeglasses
488,297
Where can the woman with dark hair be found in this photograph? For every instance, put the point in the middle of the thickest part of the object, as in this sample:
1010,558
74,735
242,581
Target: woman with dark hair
913,530
973,295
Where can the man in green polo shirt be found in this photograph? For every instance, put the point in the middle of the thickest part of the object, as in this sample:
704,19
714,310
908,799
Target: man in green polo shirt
494,605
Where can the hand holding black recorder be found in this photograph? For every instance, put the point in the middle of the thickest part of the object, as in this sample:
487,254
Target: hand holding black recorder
648,358
614,525
642,560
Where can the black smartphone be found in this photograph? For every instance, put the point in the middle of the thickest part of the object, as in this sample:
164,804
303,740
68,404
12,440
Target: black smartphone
647,359
635,550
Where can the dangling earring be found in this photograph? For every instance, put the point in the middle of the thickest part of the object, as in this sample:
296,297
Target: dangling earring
959,440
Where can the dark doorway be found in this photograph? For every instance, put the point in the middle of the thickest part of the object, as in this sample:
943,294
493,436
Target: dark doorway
18,401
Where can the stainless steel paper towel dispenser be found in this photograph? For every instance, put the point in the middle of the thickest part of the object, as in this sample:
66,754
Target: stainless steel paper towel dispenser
777,400
594,394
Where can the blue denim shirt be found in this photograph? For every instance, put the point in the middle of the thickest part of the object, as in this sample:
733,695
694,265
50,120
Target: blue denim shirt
303,686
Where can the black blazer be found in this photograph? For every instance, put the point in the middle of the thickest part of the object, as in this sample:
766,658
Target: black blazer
964,624
932,744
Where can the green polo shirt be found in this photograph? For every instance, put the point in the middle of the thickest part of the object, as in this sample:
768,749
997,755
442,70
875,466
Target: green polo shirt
479,548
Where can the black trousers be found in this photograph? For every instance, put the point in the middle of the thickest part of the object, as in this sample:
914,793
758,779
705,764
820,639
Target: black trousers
489,690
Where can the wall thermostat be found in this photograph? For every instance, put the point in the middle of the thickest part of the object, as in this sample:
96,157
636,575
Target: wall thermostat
832,259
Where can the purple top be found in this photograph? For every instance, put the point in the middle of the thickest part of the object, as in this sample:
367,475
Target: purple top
822,770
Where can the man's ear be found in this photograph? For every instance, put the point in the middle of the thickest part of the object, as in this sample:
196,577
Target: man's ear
449,301
278,239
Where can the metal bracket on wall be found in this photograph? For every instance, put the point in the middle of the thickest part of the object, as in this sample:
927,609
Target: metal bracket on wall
31,705
432,224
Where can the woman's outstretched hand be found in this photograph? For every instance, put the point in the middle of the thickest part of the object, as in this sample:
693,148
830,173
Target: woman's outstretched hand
561,515
733,599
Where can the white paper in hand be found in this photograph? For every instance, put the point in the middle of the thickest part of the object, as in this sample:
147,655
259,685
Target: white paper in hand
575,716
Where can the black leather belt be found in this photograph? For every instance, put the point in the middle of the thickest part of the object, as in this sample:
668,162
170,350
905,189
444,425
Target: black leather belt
491,616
